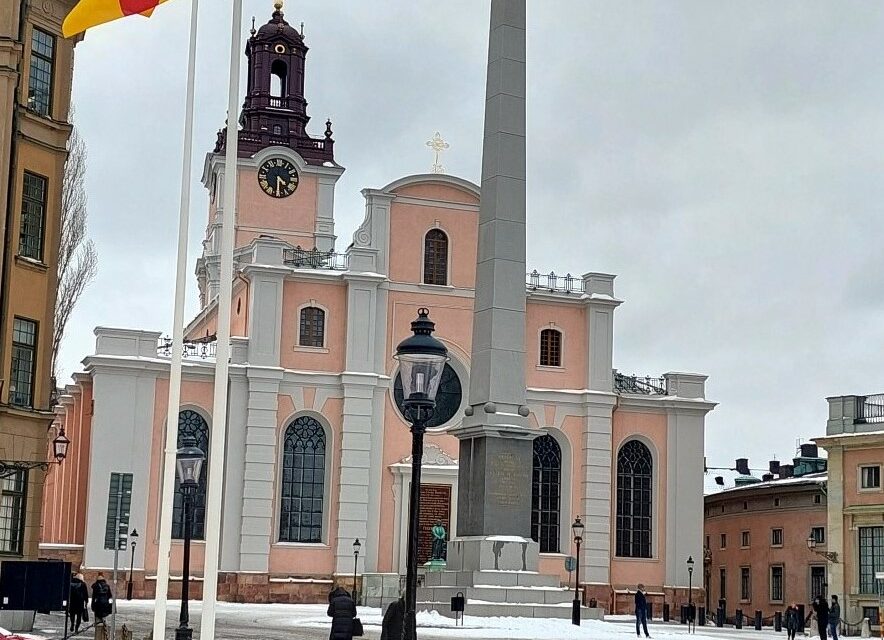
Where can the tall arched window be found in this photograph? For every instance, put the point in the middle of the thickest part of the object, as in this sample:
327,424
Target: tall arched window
551,348
278,77
302,489
192,425
634,502
546,491
312,333
436,257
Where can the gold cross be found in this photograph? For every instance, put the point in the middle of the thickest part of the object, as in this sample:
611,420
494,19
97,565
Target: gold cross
438,145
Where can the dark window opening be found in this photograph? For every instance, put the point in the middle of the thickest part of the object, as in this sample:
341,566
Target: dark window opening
24,362
33,215
745,584
278,75
776,584
817,582
312,327
303,481
12,512
634,478
871,559
40,75
192,425
436,257
550,348
546,489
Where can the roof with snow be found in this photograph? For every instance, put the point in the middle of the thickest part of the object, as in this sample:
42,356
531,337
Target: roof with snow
713,489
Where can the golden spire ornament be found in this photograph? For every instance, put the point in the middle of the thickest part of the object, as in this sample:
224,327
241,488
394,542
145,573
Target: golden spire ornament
438,145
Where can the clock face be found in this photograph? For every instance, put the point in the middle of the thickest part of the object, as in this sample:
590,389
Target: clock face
278,178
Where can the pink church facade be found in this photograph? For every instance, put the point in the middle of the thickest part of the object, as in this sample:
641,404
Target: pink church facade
317,448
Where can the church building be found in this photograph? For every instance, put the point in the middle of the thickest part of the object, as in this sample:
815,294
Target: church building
317,449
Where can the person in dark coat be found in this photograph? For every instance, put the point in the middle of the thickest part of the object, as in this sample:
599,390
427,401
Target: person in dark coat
394,620
641,612
342,610
77,602
792,621
821,609
101,599
834,618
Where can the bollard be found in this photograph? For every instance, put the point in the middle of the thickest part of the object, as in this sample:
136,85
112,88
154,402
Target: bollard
702,617
665,612
650,611
801,616
758,620
738,619
684,614
778,621
719,617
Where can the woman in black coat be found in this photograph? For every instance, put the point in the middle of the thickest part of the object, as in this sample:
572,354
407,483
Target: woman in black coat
341,610
101,599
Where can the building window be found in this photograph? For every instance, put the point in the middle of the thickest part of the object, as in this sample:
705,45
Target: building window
546,489
24,362
551,348
634,507
870,477
817,582
12,512
745,505
776,502
448,397
708,543
744,539
312,332
871,559
40,78
776,537
192,425
33,215
723,541
745,584
872,614
722,583
303,481
776,584
819,534
436,257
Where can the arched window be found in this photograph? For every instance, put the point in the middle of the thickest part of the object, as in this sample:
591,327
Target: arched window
436,257
551,348
546,491
312,333
278,76
634,508
303,481
192,425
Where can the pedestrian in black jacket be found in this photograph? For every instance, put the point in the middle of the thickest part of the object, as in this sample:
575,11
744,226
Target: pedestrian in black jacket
821,609
834,618
101,599
792,621
641,612
342,610
77,603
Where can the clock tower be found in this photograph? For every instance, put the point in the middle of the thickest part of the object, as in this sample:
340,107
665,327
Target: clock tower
286,177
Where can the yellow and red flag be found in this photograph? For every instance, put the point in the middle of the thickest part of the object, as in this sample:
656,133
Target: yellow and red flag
90,13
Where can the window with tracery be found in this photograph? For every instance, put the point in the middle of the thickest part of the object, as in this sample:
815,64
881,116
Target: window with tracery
634,505
303,481
551,348
436,257
192,425
546,489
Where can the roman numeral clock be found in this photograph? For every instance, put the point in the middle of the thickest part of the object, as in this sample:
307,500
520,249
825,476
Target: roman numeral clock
278,178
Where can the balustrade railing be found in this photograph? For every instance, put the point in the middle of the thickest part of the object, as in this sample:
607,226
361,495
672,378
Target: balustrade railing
192,350
567,283
644,385
316,259
870,408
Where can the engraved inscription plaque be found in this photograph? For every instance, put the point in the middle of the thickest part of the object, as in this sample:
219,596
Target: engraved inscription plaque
505,478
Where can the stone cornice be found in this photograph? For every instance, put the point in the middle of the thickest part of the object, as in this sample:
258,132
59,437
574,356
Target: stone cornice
654,404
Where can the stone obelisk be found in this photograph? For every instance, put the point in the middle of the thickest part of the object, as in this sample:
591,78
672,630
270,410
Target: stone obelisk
494,485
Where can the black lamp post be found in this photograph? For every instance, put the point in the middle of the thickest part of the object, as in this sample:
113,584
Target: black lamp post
577,530
190,461
133,537
60,444
831,556
421,362
690,593
356,547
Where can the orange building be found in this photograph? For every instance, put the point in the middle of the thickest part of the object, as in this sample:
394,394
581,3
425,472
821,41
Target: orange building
756,551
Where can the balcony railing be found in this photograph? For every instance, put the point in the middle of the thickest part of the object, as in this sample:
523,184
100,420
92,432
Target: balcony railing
644,385
870,408
192,350
316,259
567,283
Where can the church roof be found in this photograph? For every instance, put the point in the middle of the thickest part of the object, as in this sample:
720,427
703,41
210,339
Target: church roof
278,28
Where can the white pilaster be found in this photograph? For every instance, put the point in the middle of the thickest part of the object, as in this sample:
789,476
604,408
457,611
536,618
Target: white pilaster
600,306
596,478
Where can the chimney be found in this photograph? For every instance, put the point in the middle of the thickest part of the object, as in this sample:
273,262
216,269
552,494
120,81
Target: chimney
774,466
809,451
787,471
767,477
743,466
719,481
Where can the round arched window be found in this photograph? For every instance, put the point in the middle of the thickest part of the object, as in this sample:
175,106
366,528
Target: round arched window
448,398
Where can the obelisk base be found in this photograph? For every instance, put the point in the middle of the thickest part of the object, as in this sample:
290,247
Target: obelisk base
492,553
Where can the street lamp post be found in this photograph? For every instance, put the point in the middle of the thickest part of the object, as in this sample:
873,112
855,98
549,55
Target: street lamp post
691,624
577,530
421,363
189,461
133,537
831,556
9,468
356,547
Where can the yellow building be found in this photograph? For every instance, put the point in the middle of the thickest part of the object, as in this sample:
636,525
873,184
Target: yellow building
36,65
855,443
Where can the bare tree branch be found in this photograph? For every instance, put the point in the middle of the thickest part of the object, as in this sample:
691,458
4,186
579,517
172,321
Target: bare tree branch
77,258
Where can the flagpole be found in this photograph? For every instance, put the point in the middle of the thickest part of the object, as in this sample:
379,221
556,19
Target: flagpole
168,478
222,358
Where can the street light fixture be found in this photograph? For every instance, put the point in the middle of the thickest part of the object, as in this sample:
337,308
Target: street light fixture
831,556
189,462
356,547
691,624
133,538
577,529
422,360
59,453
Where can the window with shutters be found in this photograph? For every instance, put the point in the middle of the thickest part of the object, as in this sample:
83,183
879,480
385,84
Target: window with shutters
634,508
546,490
550,348
312,327
436,257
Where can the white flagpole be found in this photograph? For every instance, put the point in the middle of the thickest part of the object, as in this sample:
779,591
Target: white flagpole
168,479
222,358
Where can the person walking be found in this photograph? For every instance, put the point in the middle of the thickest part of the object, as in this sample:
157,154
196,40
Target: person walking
101,599
792,621
821,610
78,601
342,610
641,612
834,617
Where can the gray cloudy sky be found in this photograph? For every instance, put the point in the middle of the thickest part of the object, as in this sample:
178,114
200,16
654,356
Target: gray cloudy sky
723,159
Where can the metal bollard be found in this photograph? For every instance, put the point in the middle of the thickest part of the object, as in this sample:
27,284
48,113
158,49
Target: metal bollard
778,621
702,617
758,620
665,612
719,617
650,611
738,619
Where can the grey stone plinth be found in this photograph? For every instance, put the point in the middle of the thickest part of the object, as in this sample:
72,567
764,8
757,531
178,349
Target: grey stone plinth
485,578
502,609
493,553
508,595
22,621
379,589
